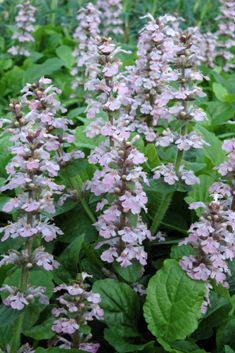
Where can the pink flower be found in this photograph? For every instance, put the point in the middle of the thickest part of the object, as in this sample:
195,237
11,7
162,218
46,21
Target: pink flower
89,347
65,326
17,301
167,171
111,70
189,177
45,260
133,203
109,255
195,205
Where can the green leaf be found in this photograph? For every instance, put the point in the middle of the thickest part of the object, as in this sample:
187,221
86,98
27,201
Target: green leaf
218,310
65,53
177,252
82,141
228,349
151,153
160,197
70,256
219,112
42,331
36,71
74,226
219,91
5,143
200,192
122,344
7,315
75,113
225,334
173,304
187,346
6,334
37,278
181,347
230,98
31,315
214,151
131,273
13,86
121,305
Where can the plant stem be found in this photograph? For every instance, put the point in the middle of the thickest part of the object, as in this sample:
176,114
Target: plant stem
88,210
82,200
183,130
76,340
15,343
165,203
180,153
17,333
154,7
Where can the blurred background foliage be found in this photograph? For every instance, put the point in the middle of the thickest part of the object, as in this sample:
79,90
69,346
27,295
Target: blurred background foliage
196,12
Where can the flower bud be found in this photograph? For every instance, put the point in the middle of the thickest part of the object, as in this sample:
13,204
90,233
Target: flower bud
29,265
18,106
30,298
117,190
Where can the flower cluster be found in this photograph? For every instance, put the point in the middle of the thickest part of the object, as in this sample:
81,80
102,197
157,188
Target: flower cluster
111,12
147,79
120,181
162,87
109,91
168,172
226,33
212,237
182,112
121,176
37,156
208,48
86,35
78,306
25,20
228,167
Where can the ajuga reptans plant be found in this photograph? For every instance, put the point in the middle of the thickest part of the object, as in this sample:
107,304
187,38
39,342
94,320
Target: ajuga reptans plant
120,177
25,26
38,154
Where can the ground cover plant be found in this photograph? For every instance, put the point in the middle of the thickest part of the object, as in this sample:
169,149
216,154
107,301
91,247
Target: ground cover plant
117,176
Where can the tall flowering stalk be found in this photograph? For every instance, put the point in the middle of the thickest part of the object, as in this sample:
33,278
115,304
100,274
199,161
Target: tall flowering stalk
147,78
183,114
212,237
120,176
111,15
226,33
86,51
208,48
77,306
37,156
25,21
163,86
